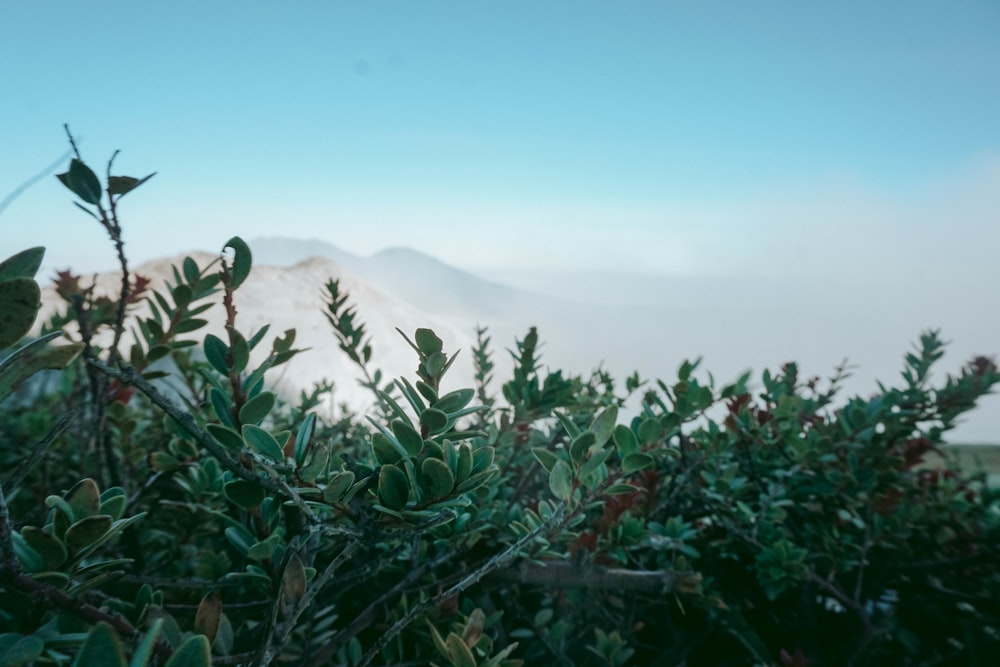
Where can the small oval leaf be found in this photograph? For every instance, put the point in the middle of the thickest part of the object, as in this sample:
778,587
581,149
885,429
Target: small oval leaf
434,420
89,530
561,480
439,478
258,407
408,437
393,487
242,260
244,493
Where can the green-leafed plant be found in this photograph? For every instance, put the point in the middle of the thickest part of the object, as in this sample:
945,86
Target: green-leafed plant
163,506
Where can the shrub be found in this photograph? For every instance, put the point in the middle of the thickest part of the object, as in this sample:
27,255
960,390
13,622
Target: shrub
162,506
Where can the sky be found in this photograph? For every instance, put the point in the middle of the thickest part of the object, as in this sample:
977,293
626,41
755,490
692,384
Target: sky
850,147
660,137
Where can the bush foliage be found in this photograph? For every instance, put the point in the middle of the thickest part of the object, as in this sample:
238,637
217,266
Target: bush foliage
160,505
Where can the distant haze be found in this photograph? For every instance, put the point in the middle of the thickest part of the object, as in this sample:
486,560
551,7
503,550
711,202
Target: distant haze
629,322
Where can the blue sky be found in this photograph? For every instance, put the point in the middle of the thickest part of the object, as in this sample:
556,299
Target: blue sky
693,138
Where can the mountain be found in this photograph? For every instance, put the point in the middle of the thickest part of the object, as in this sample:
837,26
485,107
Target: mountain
413,277
293,297
622,322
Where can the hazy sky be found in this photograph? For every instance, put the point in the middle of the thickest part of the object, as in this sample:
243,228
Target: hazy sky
858,138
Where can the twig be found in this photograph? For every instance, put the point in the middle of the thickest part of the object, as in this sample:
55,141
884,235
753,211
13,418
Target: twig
502,559
559,574
365,618
39,451
271,647
9,565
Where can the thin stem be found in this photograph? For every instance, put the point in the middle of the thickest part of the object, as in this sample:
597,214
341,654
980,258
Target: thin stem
39,450
502,559
9,565
365,618
278,636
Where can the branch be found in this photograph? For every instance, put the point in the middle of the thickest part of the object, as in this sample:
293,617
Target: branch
560,574
53,597
278,636
9,565
128,375
502,559
367,616
39,451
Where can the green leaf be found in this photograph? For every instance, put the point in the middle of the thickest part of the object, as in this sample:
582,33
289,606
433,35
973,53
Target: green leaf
636,461
121,185
216,352
619,489
476,480
194,652
20,299
427,341
191,272
221,406
24,264
23,651
385,452
463,468
482,458
561,480
407,437
242,260
82,181
316,463
113,504
427,391
649,430
625,440
258,407
567,423
393,488
244,493
33,357
188,325
239,538
338,486
434,420
263,442
545,458
84,498
29,558
440,480
49,547
101,649
88,530
604,425
144,653
304,437
454,401
594,462
581,445
435,363
241,351
227,437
